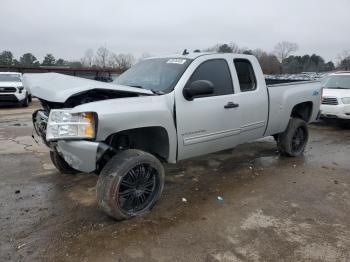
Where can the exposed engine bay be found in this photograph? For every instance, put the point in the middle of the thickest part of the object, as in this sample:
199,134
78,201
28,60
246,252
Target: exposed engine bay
40,117
86,97
58,91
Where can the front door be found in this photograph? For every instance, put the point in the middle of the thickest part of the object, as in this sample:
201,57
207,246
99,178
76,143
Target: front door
208,123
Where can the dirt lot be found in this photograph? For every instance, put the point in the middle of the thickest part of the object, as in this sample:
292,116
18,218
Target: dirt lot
273,208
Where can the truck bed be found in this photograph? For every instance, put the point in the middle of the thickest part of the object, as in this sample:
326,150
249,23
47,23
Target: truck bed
282,99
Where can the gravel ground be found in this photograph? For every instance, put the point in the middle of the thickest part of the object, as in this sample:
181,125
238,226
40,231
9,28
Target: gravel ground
245,204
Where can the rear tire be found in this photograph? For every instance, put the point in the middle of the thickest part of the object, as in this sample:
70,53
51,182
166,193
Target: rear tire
293,141
61,164
130,184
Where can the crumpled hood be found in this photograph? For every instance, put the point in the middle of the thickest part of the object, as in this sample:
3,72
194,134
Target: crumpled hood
56,87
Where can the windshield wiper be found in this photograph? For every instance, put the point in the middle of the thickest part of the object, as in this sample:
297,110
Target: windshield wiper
157,92
136,86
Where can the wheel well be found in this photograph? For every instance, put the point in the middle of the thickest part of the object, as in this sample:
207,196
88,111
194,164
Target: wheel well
302,111
153,140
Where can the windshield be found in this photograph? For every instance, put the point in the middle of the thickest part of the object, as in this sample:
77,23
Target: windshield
158,74
338,82
9,78
324,79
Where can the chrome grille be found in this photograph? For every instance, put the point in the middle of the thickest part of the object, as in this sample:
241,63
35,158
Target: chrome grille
330,101
7,89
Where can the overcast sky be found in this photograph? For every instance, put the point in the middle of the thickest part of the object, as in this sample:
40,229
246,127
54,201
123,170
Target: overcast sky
67,28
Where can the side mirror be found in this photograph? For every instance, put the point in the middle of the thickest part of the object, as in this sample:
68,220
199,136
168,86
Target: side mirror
197,88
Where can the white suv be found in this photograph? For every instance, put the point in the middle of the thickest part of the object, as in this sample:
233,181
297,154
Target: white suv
12,90
336,96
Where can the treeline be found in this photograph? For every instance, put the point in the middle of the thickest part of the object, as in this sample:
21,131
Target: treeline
102,58
28,59
280,61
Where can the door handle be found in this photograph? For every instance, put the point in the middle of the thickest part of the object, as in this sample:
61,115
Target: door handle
231,105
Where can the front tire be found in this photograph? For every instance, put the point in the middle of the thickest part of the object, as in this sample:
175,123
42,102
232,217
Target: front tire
61,164
130,184
293,141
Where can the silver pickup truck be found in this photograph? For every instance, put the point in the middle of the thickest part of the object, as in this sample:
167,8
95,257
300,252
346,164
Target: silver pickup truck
163,110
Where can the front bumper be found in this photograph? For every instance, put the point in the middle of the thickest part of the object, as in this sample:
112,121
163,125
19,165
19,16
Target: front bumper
340,111
12,98
81,155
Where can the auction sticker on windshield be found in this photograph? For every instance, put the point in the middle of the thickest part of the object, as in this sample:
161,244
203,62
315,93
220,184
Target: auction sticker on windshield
176,61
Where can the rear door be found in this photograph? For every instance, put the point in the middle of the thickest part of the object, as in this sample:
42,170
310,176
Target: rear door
252,96
207,123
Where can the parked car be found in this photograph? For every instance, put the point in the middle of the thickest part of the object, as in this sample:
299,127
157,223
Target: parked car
12,91
164,110
336,97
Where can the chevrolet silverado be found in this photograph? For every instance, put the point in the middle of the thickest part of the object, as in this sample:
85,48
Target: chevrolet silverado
164,110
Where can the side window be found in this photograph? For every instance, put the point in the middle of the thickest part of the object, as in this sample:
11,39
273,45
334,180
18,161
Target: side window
217,72
246,76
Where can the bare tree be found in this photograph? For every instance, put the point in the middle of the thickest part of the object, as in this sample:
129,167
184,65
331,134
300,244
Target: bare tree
343,60
284,49
269,64
144,56
123,61
88,58
102,55
225,48
258,53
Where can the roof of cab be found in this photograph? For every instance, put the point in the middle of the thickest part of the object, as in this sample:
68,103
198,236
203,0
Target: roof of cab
194,55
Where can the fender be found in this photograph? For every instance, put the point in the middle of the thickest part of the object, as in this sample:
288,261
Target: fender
118,115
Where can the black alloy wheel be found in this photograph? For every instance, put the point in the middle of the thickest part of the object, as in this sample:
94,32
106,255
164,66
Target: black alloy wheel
298,140
130,184
293,140
137,188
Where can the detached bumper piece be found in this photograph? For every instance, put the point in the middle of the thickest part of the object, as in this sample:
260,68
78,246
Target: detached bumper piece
81,155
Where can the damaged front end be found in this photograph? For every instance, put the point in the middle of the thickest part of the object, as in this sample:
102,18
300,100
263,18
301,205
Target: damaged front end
80,154
58,91
61,92
40,118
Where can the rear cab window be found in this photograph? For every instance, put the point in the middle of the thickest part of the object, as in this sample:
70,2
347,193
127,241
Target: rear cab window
245,74
216,71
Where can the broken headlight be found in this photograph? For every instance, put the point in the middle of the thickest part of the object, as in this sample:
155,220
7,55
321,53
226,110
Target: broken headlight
63,124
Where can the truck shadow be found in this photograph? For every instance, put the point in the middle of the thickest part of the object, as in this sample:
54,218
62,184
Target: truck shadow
333,123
